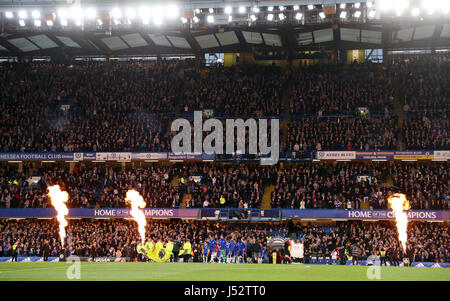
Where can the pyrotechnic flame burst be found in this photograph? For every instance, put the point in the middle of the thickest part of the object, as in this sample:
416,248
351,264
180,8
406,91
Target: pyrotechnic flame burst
399,203
137,202
58,199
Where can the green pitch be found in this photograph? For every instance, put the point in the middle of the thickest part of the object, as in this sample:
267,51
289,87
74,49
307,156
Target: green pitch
132,271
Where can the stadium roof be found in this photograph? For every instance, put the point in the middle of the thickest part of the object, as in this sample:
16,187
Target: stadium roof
224,39
103,27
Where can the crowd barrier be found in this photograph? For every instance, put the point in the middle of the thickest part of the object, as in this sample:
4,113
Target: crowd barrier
227,214
436,155
126,259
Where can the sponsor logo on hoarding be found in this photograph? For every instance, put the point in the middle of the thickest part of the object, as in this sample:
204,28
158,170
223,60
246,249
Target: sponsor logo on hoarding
335,155
414,155
442,155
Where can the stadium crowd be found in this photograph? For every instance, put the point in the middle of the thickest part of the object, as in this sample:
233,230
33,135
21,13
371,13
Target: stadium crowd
426,185
227,186
423,84
208,240
128,106
340,90
91,187
327,186
316,134
236,92
87,106
351,185
344,185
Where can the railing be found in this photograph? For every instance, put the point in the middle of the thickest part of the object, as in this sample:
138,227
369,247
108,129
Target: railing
231,214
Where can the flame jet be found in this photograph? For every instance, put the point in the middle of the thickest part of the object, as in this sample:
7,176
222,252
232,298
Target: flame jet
399,203
137,202
59,199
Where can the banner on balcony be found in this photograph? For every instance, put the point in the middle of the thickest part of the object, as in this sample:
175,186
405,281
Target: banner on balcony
425,215
98,213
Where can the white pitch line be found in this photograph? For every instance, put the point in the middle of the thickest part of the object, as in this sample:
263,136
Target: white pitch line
35,269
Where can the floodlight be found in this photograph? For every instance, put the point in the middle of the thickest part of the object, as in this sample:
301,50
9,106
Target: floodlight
130,13
91,13
144,12
62,14
172,11
270,17
49,23
37,23
385,5
228,10
343,14
22,22
116,13
298,16
322,15
36,14
242,9
9,15
256,9
401,5
23,14
158,20
77,13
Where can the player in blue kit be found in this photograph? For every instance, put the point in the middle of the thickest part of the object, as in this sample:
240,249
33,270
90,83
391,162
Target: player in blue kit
242,247
222,249
205,252
212,246
230,248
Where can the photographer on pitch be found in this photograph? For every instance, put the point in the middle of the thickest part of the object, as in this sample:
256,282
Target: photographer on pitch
356,254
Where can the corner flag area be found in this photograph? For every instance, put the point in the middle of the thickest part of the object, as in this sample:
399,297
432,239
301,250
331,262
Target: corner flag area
131,271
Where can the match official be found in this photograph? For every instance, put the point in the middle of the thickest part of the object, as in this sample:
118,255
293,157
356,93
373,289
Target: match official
187,251
15,251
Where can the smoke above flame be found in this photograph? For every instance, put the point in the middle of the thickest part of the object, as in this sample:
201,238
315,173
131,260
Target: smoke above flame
137,202
399,203
58,199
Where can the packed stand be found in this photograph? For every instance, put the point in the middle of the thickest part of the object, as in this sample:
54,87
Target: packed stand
237,92
87,106
427,131
316,134
426,185
319,186
233,186
90,187
423,82
339,90
119,238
